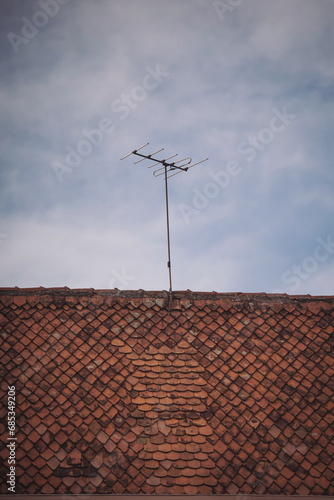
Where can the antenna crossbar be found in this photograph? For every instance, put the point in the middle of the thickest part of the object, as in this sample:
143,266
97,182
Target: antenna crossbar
158,162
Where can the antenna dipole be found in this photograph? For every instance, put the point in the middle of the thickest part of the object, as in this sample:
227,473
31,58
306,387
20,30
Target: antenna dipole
167,167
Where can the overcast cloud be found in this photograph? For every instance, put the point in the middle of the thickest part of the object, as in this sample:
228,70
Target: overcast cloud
248,84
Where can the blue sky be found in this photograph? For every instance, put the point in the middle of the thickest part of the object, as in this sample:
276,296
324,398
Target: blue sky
247,83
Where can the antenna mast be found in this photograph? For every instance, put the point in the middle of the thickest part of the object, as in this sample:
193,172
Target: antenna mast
165,170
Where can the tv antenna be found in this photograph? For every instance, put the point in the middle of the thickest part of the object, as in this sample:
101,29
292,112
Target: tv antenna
166,169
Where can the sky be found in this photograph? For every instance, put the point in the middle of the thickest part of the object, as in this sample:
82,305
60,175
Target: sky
246,83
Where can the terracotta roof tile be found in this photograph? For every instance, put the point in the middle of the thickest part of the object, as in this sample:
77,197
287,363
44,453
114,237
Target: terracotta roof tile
220,394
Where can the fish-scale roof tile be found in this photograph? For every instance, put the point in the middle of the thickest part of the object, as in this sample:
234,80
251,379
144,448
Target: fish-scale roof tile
119,392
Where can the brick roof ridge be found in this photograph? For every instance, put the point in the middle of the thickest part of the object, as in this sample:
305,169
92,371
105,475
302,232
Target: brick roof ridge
177,295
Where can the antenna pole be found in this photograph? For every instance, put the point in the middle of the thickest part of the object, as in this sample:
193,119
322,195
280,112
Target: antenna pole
169,265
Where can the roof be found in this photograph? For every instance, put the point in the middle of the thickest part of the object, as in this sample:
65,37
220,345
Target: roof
117,392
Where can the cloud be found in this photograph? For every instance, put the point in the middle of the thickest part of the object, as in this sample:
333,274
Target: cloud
224,80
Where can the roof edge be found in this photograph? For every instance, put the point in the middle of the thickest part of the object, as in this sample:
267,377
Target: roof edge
241,496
